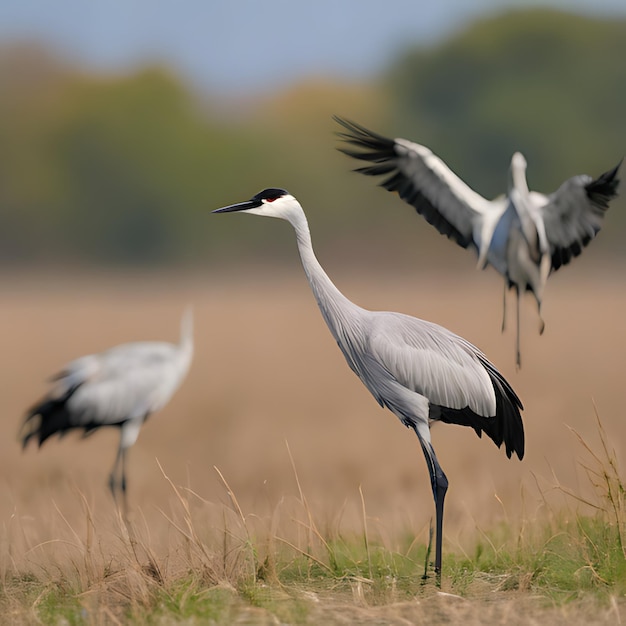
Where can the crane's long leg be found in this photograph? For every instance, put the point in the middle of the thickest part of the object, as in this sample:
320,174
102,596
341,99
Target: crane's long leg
129,431
518,360
439,484
117,478
503,307
123,481
542,324
113,484
429,548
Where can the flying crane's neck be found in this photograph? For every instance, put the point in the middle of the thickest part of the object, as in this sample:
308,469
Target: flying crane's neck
518,174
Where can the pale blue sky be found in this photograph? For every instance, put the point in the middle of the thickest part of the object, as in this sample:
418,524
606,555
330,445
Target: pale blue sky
248,45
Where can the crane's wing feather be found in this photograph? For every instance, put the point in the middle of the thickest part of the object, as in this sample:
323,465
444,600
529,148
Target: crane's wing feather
132,381
461,385
126,382
508,427
574,213
422,180
433,362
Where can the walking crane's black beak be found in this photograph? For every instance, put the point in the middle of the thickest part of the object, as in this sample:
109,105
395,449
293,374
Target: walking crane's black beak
240,206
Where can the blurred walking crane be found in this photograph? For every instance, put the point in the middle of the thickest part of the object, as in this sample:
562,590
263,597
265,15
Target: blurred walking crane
524,235
418,370
119,387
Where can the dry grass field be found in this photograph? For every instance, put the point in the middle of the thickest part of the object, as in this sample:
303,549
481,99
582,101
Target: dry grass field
268,386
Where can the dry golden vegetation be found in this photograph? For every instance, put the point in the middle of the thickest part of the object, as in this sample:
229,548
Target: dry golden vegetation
272,466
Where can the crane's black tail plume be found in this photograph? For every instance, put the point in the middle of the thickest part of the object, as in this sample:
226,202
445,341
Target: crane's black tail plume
505,426
53,418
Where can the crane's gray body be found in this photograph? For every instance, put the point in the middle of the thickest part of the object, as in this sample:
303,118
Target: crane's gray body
524,235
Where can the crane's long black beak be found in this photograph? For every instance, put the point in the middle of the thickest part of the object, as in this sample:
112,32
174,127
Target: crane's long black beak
240,206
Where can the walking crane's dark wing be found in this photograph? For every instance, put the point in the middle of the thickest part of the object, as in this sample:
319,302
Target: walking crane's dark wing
48,417
573,214
421,179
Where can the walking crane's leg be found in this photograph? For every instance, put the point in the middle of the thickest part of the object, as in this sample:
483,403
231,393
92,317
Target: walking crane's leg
123,481
113,483
117,479
129,431
439,484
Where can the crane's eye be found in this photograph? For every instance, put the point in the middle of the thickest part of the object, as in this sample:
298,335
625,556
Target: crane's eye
272,199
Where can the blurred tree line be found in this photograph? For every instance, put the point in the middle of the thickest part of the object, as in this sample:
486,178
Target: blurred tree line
124,169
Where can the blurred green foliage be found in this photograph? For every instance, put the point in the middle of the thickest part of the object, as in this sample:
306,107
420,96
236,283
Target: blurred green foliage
549,84
122,169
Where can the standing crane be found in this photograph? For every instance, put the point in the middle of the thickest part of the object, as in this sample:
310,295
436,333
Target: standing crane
418,370
524,235
120,387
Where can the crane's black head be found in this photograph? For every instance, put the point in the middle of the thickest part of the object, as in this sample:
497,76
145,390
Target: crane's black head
266,196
